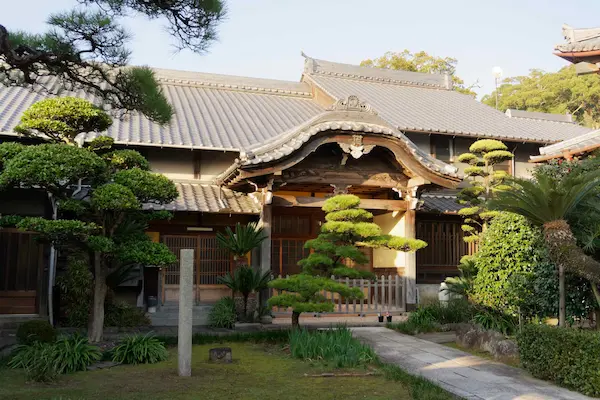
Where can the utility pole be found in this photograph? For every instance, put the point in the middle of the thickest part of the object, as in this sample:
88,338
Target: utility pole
497,72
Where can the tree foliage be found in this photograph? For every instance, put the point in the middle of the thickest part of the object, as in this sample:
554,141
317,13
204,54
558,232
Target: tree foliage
562,92
515,273
421,62
86,48
61,119
484,181
103,217
334,252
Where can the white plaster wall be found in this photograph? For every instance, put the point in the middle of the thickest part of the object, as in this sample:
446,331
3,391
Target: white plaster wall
178,164
175,164
391,223
522,151
212,163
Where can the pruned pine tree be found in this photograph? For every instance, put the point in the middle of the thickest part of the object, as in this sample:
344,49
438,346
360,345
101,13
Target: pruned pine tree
86,49
347,227
106,218
484,181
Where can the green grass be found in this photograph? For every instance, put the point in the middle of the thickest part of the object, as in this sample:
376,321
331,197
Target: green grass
262,372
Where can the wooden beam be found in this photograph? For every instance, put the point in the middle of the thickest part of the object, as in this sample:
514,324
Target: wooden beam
317,202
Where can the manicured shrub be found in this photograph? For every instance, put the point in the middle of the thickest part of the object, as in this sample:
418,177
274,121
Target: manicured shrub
223,314
124,315
43,362
35,331
335,346
432,317
140,349
566,356
496,321
514,272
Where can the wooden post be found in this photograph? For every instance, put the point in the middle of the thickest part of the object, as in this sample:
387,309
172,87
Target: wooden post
266,223
410,269
186,301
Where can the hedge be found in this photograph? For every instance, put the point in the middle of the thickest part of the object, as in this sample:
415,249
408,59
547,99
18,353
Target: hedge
566,356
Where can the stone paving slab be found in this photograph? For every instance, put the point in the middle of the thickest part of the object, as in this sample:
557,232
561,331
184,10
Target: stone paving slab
460,373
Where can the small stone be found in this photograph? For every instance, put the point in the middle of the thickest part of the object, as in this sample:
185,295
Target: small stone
220,354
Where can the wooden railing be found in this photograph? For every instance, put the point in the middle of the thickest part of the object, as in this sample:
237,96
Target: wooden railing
386,294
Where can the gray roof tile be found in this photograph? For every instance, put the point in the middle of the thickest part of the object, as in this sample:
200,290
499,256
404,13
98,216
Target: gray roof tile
432,110
439,203
579,40
208,113
209,198
583,143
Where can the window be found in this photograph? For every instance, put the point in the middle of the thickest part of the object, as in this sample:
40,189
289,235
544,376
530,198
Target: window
442,148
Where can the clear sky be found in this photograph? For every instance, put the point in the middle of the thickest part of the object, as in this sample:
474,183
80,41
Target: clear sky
263,38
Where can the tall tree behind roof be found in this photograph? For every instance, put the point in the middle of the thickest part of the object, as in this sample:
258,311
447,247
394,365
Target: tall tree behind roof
421,62
562,92
86,49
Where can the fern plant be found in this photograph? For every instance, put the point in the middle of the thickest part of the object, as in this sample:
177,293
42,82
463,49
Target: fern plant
140,349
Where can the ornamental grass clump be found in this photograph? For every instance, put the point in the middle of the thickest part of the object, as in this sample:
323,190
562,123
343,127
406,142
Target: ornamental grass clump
140,349
333,346
43,362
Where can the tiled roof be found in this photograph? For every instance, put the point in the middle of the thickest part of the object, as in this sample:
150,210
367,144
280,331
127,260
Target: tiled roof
211,111
580,144
431,110
579,40
209,198
439,203
237,113
382,75
289,142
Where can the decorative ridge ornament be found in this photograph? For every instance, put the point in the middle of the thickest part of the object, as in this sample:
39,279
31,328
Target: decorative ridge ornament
352,103
357,148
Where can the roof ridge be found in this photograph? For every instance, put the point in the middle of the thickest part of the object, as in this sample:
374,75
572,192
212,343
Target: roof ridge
379,75
232,82
235,87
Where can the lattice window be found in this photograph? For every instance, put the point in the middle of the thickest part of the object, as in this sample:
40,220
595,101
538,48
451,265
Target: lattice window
291,225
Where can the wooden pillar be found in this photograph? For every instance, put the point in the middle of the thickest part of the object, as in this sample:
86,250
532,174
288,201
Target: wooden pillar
266,221
410,270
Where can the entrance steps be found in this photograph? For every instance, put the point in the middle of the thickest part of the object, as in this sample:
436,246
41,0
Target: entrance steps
168,314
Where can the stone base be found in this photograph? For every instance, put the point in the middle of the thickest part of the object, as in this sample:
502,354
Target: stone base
220,354
495,343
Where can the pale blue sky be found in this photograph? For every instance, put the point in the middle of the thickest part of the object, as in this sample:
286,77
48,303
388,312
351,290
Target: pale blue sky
263,38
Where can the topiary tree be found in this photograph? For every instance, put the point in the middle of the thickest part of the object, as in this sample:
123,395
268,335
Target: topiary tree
346,228
105,218
61,119
483,155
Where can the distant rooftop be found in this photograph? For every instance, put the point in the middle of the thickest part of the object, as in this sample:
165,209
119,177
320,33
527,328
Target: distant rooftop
579,40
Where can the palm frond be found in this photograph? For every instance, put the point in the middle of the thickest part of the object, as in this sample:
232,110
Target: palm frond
546,199
241,241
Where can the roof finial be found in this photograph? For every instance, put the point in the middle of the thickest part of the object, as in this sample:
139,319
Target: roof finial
303,54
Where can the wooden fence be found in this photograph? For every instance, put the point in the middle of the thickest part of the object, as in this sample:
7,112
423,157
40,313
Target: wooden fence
386,294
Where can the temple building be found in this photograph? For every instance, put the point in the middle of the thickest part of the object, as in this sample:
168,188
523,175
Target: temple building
245,149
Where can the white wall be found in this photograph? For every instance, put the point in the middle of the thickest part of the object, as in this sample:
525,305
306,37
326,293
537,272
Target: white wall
178,164
391,223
